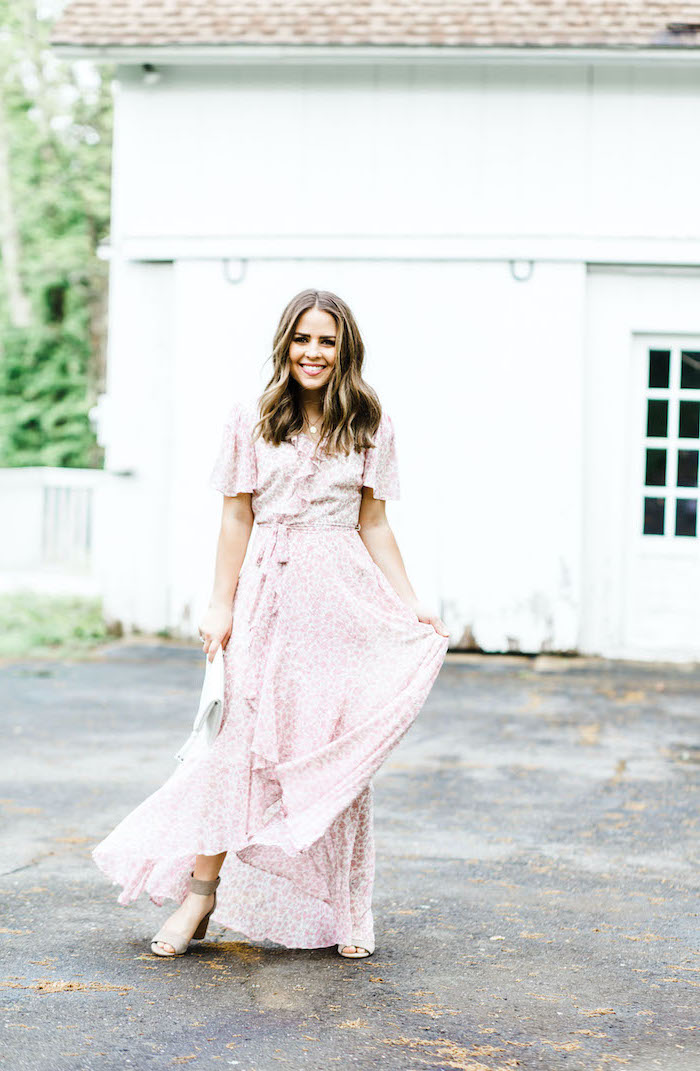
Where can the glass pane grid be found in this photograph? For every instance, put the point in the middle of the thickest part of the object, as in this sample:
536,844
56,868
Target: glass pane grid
671,443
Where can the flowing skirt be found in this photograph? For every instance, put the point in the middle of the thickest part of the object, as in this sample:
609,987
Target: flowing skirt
325,671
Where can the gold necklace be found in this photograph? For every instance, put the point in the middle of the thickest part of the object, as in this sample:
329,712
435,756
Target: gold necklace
312,427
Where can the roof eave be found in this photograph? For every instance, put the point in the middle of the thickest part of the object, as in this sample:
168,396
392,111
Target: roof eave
190,54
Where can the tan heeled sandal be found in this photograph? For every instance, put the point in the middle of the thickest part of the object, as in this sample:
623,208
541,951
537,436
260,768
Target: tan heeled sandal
179,941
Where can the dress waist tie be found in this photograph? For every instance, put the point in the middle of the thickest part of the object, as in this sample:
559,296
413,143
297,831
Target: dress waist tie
271,557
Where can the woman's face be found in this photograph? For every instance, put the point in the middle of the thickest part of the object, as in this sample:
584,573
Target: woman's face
312,349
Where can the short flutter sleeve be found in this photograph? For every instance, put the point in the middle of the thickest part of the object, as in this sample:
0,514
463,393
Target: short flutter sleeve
381,471
235,468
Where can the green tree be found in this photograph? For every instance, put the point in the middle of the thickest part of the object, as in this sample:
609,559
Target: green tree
55,165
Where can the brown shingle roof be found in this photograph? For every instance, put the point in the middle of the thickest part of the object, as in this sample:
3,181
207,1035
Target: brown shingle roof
377,22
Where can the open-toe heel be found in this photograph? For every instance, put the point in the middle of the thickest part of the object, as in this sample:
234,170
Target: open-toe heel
362,952
180,941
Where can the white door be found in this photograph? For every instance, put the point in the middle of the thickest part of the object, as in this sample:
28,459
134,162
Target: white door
641,535
662,576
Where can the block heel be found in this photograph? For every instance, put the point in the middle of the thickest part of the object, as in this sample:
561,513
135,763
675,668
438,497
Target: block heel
180,941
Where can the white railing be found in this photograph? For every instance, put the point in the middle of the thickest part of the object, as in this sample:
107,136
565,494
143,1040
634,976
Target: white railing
66,526
46,530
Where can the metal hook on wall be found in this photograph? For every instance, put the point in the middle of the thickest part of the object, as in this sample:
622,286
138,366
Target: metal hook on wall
242,271
521,270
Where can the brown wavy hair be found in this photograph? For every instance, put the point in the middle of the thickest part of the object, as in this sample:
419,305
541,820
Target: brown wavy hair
351,408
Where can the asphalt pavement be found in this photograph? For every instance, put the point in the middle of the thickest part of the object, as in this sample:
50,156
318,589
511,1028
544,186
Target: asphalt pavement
536,893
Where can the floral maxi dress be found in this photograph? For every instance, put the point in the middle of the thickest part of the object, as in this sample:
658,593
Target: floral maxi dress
325,670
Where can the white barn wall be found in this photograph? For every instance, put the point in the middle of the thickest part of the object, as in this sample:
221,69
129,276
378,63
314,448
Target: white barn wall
486,406
439,149
136,427
482,373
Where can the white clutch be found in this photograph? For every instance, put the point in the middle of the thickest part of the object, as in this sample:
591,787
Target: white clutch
207,722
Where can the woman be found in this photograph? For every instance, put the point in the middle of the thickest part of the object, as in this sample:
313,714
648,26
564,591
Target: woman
328,658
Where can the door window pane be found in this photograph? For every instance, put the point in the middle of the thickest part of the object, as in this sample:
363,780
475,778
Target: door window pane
687,468
654,516
686,516
689,420
656,468
659,362
690,370
671,444
657,418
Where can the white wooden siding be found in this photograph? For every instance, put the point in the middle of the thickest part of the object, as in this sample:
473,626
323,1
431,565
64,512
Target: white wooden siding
407,189
414,150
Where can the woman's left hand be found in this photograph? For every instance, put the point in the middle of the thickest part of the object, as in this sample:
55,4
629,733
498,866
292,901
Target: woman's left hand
429,617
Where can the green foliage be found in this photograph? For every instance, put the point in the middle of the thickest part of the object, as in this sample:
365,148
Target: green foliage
35,625
58,131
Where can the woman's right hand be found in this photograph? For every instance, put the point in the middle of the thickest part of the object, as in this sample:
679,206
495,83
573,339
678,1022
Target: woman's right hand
215,628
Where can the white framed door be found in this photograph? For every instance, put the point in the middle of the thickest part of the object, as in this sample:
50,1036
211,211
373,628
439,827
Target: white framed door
662,562
641,531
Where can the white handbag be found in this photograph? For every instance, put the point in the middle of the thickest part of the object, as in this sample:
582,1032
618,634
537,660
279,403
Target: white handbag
207,722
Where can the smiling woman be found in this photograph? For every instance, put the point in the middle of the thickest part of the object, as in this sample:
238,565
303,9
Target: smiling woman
317,387
312,349
328,659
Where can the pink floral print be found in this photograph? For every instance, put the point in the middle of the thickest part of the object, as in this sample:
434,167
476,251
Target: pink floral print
325,670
